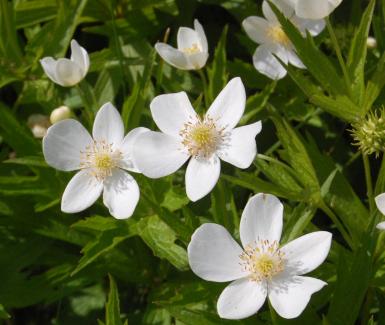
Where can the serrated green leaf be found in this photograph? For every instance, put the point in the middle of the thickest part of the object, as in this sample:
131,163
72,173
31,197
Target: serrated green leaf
161,239
112,306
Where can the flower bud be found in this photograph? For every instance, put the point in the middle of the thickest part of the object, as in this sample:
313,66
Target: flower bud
38,124
371,42
369,133
59,114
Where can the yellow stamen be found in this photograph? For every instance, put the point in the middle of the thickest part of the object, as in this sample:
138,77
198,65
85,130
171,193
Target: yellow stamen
262,260
192,50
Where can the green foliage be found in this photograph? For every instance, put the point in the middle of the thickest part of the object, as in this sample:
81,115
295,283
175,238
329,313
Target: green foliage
88,267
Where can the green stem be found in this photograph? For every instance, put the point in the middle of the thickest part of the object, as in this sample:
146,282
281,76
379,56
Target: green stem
205,87
88,99
369,186
329,212
339,55
273,314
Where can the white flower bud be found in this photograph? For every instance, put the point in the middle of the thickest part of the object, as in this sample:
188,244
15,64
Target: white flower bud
38,124
371,42
59,114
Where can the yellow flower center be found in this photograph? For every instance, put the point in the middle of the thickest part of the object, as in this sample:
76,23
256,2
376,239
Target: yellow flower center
277,34
100,159
202,138
262,260
192,50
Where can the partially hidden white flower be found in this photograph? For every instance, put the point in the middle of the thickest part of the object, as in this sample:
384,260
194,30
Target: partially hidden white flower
192,49
371,42
67,72
102,160
38,124
313,9
205,140
380,202
267,32
262,268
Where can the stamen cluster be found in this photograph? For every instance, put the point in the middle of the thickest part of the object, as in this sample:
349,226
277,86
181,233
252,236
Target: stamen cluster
202,138
100,158
262,260
192,50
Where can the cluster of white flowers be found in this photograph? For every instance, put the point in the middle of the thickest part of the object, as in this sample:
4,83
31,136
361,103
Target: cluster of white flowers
261,267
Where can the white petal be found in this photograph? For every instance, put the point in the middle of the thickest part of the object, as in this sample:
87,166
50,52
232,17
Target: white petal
380,202
227,109
306,253
315,9
202,36
80,56
315,27
68,73
173,56
197,60
127,148
156,154
283,7
108,125
257,29
49,66
381,226
81,192
121,194
241,298
171,111
201,177
294,59
261,219
63,144
214,255
290,296
187,38
265,62
241,148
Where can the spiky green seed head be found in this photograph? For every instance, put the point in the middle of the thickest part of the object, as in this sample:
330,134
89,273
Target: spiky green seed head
369,133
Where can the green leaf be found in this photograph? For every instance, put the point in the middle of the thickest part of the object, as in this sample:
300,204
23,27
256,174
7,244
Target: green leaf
112,306
3,313
217,73
161,239
30,13
16,135
357,54
375,84
352,282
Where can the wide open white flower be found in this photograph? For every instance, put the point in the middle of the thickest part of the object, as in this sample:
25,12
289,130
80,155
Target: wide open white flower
262,268
192,52
67,72
380,202
274,42
313,9
101,159
206,140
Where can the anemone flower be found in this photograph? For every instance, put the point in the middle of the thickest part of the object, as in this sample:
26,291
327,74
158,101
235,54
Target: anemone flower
261,268
380,202
67,72
313,9
205,139
192,52
267,32
102,160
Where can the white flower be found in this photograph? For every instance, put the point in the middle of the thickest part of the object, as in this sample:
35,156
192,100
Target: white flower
371,42
192,52
262,268
205,140
380,202
67,72
60,113
313,9
101,159
273,41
